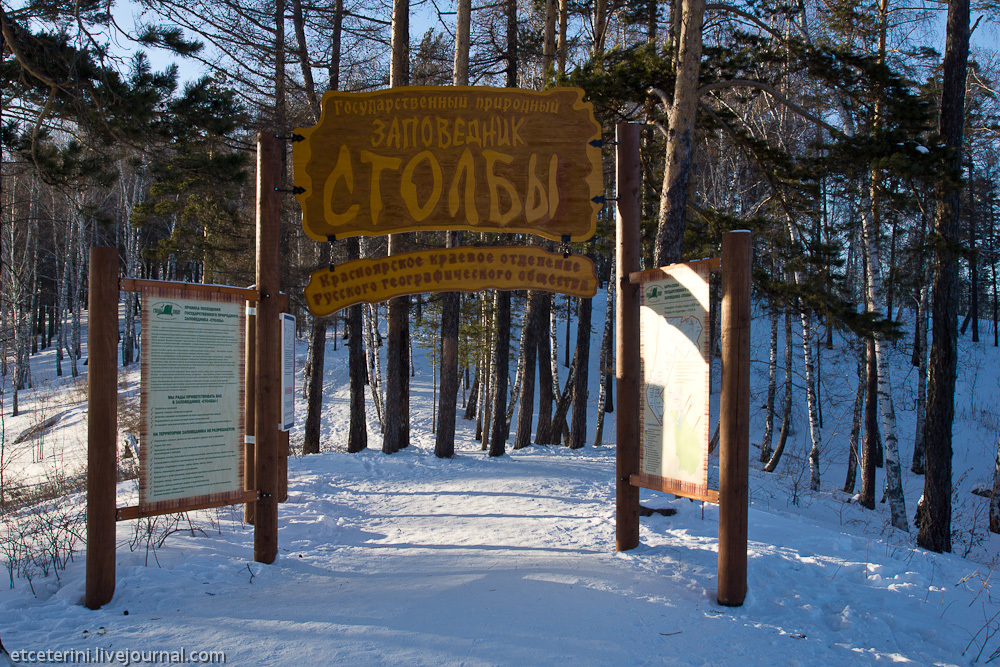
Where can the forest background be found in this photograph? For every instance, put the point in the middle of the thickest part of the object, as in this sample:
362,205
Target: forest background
859,149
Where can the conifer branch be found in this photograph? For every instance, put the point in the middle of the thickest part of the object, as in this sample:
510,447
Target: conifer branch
748,16
10,33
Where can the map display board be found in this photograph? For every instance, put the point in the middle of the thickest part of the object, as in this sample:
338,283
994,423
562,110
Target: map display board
674,356
191,400
451,157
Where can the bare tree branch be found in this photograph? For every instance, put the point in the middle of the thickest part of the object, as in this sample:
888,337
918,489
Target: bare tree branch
749,83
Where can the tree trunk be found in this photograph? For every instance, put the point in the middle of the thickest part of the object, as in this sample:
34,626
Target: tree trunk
498,440
444,443
607,363
772,387
529,343
372,341
973,262
995,495
472,407
314,384
868,455
304,65
357,437
680,137
463,20
315,366
935,520
816,435
563,36
549,39
786,408
569,318
917,465
600,24
852,453
578,430
520,370
397,409
545,356
562,406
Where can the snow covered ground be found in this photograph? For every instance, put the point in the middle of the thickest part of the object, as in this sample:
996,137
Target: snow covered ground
408,559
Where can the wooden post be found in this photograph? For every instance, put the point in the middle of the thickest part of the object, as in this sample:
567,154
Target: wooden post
267,392
102,426
627,334
249,465
734,418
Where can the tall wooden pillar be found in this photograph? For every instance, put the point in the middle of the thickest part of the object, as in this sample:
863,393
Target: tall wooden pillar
267,395
627,368
734,418
102,425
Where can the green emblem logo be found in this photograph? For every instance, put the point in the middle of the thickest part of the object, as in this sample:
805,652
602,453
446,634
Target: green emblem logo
167,310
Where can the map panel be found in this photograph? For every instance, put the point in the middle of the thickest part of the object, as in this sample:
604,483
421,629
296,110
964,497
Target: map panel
674,349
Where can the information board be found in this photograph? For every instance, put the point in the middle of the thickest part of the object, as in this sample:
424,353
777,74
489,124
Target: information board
674,357
191,398
287,371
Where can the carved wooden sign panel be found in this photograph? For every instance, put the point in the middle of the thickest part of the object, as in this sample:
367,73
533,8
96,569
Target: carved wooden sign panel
433,158
449,269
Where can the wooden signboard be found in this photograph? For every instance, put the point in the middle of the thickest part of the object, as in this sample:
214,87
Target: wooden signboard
433,158
448,270
675,365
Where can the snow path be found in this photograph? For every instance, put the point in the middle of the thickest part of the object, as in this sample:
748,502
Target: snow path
413,560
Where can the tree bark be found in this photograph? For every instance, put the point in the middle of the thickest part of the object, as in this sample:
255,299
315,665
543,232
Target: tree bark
563,36
578,430
357,437
917,465
498,439
680,138
397,408
815,433
304,64
786,408
607,359
852,453
868,455
772,387
444,444
545,394
935,520
995,495
526,402
549,39
314,385
463,20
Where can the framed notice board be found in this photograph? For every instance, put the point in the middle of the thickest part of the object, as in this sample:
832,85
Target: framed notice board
674,392
191,399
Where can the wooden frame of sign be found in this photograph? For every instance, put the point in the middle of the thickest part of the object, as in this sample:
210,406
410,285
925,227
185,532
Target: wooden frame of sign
735,400
264,467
